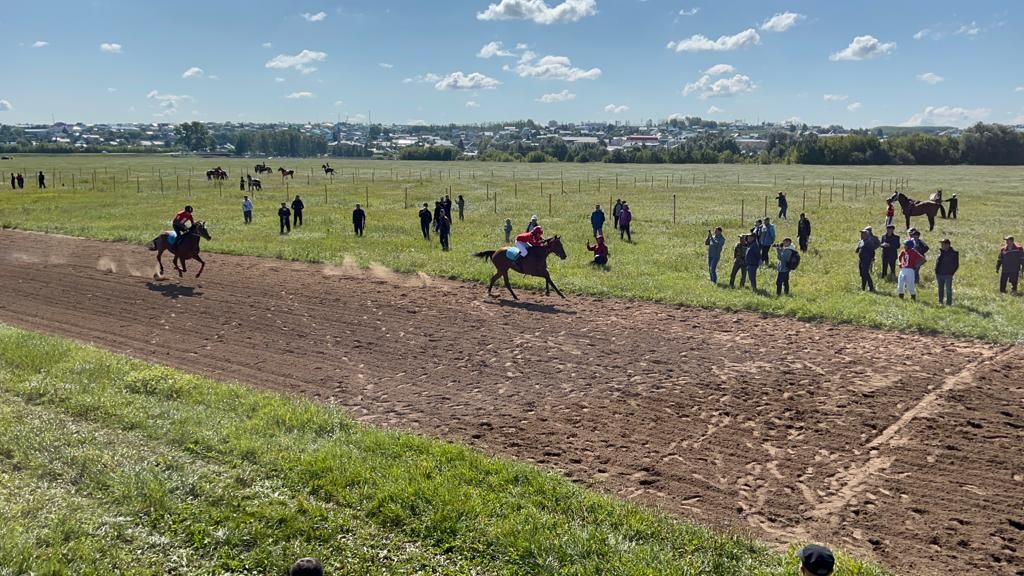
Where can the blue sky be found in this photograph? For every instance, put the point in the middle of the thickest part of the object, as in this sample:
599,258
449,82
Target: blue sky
860,63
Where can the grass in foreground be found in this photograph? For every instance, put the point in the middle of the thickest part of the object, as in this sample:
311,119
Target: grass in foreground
111,465
666,263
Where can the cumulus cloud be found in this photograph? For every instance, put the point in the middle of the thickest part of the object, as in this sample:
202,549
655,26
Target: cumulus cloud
613,109
538,11
947,116
853,107
193,72
554,67
835,97
168,103
563,96
690,12
1019,89
40,44
111,90
781,22
299,95
707,87
339,103
472,104
930,78
300,61
460,81
278,79
5,106
110,48
268,45
701,43
719,69
492,49
385,65
318,17
429,78
971,29
862,48
922,34
714,110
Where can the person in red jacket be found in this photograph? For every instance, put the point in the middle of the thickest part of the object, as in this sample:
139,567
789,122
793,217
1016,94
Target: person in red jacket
910,260
178,224
600,251
526,239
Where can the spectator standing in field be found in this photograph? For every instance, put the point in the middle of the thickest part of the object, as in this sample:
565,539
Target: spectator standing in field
358,220
866,256
297,208
285,216
438,212
910,260
615,213
425,220
816,561
1011,259
803,231
600,251
247,209
241,184
785,254
597,221
444,229
752,259
890,250
306,567
783,205
446,204
715,242
739,253
952,206
946,266
21,181
461,202
767,238
889,213
41,180
508,229
756,231
14,182
532,223
922,249
625,221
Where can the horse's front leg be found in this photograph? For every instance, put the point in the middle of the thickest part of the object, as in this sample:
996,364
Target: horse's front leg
202,265
493,280
509,285
552,283
159,261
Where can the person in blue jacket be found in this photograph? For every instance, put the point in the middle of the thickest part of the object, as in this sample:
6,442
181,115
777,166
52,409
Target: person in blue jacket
767,238
597,221
753,260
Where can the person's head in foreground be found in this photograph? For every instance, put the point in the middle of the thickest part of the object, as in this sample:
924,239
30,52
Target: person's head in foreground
816,560
307,567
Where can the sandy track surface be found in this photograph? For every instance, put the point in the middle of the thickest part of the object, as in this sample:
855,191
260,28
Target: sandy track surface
902,448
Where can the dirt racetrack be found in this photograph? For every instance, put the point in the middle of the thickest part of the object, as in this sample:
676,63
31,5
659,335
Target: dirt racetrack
902,448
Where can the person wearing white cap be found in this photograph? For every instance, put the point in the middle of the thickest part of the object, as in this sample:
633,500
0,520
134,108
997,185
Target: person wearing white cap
532,224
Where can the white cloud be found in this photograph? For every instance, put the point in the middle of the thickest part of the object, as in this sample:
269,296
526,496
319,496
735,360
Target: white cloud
521,46
613,109
193,72
971,29
268,44
923,33
930,78
460,81
213,77
472,104
429,78
554,67
492,49
168,102
300,61
835,97
701,43
863,47
563,96
110,48
719,69
111,90
5,106
385,65
299,95
782,22
339,103
707,87
278,79
40,44
690,12
318,17
793,120
538,11
676,116
1019,89
714,110
854,106
947,116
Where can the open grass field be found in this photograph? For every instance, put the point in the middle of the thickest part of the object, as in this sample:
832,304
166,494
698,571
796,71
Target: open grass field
132,198
110,465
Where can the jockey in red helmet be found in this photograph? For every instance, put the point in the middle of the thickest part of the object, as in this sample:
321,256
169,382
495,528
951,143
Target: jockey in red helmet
532,238
178,224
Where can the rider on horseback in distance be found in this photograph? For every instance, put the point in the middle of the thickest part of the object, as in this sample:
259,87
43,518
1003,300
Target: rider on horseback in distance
532,238
178,224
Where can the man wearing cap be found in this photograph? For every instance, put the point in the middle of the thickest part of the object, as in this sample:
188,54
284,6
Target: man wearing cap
890,250
1011,258
803,231
784,252
866,255
910,260
715,242
952,200
946,265
739,253
816,560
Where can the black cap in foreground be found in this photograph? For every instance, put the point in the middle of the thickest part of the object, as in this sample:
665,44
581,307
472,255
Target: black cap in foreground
307,567
817,560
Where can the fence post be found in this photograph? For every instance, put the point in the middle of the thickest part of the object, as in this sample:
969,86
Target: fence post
487,190
804,207
819,195
549,204
673,209
599,185
325,193
742,215
72,180
515,190
495,200
406,196
367,196
766,206
842,192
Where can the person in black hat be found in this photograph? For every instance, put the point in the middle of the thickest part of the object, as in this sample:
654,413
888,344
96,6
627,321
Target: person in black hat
952,200
866,256
890,250
425,220
816,560
921,248
803,231
946,266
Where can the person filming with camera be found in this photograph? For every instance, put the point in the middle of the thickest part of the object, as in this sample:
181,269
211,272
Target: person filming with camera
789,259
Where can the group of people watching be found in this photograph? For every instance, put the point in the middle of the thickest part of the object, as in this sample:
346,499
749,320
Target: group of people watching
441,218
18,181
752,251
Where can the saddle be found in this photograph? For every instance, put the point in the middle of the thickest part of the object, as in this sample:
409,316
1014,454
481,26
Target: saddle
512,253
172,238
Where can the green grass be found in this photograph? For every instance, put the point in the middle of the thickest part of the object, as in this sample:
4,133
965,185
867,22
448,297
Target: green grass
110,465
666,262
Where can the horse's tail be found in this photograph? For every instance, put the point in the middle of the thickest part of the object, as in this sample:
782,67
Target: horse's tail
152,245
485,254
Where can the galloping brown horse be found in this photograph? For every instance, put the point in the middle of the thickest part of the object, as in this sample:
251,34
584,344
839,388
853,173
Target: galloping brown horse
185,248
534,264
914,208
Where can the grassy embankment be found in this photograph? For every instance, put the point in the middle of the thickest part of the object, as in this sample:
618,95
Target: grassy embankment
109,465
666,261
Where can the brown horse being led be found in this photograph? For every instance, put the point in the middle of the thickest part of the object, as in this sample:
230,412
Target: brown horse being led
534,264
914,208
185,248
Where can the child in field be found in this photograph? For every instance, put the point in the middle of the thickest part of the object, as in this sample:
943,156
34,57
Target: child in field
508,229
600,251
910,261
889,213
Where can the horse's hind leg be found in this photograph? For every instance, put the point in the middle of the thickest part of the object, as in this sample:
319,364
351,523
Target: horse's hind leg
201,265
509,285
931,222
493,280
159,261
552,283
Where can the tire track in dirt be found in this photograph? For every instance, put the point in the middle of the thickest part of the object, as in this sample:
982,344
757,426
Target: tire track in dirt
745,422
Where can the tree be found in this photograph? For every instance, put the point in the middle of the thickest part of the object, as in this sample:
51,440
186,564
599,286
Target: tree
194,136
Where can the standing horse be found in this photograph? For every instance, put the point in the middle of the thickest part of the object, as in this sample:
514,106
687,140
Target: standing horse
327,169
262,167
185,248
914,208
289,173
534,264
254,183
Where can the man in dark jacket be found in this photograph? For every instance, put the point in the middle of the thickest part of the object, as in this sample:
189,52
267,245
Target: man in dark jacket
444,228
739,254
890,250
952,206
921,248
1011,258
783,205
615,213
946,265
284,215
297,208
597,221
358,220
753,259
425,220
803,231
438,212
866,255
